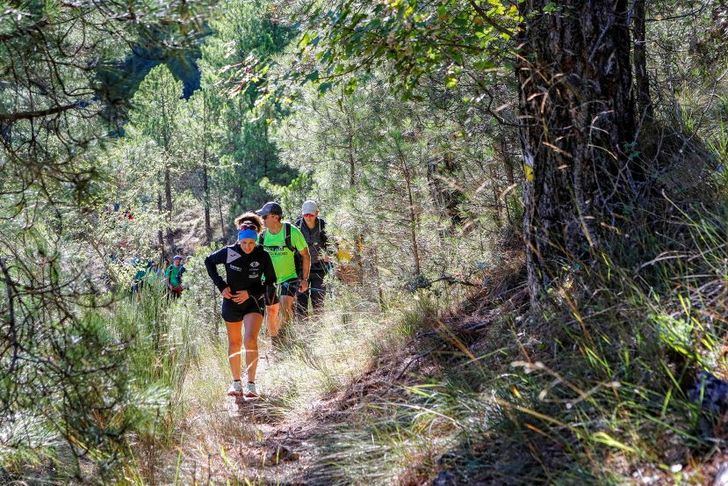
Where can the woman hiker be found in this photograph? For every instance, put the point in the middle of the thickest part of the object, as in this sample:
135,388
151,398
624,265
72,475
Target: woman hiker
249,286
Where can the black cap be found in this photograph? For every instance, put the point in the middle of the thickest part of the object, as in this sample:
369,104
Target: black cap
270,208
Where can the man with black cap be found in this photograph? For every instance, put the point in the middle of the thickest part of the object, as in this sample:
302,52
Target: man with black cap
282,240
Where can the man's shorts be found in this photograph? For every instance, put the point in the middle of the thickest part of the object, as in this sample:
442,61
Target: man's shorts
233,312
289,287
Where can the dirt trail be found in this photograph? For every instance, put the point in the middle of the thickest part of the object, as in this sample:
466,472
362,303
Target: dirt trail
263,442
237,440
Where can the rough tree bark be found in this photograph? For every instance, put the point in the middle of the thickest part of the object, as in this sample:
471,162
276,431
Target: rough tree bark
168,208
206,191
642,79
577,118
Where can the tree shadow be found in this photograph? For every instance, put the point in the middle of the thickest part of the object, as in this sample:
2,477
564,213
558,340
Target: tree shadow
265,410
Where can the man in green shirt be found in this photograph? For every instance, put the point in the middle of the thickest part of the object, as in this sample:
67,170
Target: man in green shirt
282,240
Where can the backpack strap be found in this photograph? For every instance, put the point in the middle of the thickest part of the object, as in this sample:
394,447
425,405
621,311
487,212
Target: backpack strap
289,245
322,234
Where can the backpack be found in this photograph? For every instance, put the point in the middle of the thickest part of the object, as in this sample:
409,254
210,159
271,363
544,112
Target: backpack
296,255
287,229
322,228
321,222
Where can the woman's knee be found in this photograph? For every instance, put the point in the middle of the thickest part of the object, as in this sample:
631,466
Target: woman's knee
235,342
251,342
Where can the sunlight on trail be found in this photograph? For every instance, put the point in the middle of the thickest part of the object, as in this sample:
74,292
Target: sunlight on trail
225,437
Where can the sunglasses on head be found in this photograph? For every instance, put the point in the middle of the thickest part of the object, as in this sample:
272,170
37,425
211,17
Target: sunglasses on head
309,215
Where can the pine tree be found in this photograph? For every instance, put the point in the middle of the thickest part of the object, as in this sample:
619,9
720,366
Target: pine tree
156,112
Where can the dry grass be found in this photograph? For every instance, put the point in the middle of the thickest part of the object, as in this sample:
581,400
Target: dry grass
590,391
220,441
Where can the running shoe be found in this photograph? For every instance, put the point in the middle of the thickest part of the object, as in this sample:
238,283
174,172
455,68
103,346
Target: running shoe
250,393
235,389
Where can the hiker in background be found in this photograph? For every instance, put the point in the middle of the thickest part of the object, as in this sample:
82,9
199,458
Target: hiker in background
249,286
313,229
144,269
282,240
173,277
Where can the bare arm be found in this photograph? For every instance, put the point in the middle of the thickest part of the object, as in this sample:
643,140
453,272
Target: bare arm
306,263
306,269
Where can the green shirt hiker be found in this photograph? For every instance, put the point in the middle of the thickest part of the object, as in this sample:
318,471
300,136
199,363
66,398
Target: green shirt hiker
282,257
174,274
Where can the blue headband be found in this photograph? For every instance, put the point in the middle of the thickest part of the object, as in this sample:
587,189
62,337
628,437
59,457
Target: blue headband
247,234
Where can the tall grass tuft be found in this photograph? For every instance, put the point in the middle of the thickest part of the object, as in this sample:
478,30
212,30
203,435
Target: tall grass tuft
594,389
126,364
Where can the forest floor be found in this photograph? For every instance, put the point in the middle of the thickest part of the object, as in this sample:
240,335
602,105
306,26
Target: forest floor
256,441
349,404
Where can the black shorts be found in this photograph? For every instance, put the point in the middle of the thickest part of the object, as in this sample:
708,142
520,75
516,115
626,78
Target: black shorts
289,287
232,312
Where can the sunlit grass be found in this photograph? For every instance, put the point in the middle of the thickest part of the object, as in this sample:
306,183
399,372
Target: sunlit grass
588,391
326,352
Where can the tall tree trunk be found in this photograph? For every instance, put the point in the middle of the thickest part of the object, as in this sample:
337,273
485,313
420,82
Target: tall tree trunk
358,254
160,233
168,208
577,124
207,117
222,219
496,196
501,149
206,202
352,162
642,79
412,213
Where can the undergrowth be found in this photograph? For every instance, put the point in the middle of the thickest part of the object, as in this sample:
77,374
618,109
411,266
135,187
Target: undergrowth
595,388
127,362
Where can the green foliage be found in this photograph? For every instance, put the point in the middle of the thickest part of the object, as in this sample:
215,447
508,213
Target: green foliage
244,34
107,379
391,171
413,38
398,118
291,196
65,391
156,108
591,383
